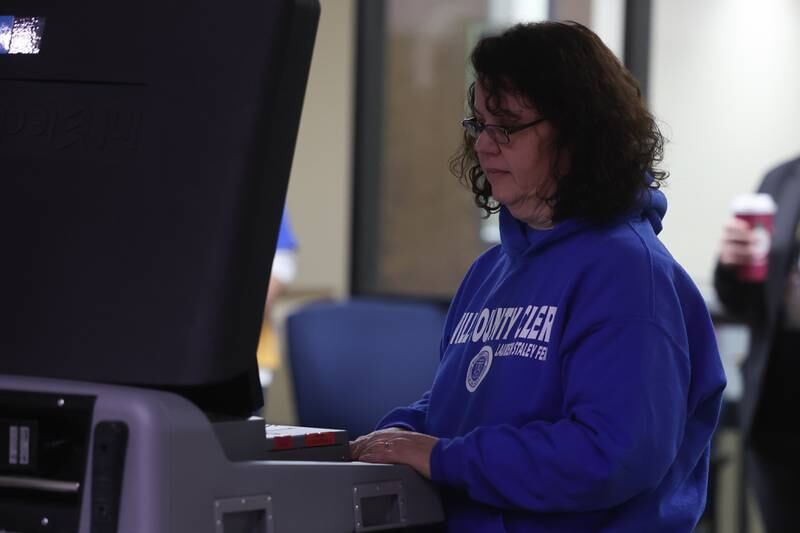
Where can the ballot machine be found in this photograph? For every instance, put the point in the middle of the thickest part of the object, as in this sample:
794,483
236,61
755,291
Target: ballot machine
145,150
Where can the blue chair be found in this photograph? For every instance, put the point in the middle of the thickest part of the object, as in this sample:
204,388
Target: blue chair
353,361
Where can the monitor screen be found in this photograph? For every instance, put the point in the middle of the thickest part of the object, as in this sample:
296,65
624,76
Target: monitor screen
145,150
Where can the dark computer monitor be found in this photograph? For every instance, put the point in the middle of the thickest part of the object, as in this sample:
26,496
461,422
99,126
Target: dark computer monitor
145,149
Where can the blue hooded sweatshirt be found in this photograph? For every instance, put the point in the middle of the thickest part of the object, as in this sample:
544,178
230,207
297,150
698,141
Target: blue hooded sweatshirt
579,384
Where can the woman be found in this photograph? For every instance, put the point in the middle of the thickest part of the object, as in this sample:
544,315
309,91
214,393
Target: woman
579,382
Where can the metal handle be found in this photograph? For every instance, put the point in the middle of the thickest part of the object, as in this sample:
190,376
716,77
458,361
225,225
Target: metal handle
40,484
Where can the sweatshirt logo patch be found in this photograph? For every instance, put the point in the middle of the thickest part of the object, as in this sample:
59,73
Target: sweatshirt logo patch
478,368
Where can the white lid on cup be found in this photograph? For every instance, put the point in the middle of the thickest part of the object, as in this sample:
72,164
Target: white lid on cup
754,204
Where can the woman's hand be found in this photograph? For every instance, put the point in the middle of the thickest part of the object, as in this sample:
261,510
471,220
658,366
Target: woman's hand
395,446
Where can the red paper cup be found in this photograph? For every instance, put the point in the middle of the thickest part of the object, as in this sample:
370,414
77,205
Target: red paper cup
758,210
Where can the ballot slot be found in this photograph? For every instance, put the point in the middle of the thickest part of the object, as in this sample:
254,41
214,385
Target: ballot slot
379,506
44,442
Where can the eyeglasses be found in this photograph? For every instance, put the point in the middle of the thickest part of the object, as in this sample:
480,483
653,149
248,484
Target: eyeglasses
499,134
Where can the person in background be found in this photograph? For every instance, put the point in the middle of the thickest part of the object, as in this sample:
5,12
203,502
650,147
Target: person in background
284,270
771,397
580,382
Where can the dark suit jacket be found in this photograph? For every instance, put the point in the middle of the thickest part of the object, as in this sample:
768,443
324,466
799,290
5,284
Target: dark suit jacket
759,304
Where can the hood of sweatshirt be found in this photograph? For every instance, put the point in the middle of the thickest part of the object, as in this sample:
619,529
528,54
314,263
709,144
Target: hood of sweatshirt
517,238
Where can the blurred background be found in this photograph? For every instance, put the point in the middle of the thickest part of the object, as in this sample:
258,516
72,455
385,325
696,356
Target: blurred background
376,212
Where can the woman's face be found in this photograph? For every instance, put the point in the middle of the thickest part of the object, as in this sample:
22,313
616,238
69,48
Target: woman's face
519,172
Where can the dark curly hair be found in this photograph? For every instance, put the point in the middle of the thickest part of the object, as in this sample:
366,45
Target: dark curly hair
594,105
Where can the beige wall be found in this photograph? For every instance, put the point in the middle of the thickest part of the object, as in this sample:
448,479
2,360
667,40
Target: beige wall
725,83
320,185
319,197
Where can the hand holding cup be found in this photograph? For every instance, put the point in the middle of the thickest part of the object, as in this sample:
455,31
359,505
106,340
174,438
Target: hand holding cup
747,236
